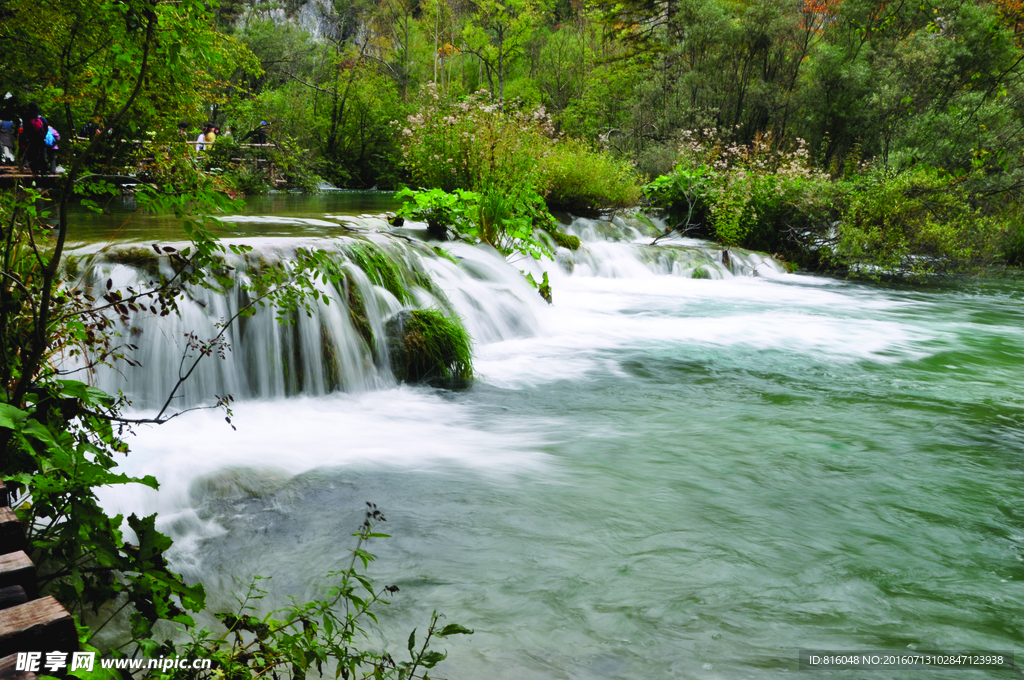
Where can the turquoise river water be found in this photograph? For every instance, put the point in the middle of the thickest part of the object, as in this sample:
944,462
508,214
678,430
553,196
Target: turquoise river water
655,477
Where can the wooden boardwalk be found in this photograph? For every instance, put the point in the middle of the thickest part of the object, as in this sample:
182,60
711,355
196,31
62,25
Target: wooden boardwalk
13,174
28,623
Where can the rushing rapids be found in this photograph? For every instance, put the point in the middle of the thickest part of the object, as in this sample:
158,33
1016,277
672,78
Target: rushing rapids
658,476
341,345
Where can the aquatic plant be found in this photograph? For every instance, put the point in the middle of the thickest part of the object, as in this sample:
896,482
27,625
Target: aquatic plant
380,268
427,346
443,212
564,240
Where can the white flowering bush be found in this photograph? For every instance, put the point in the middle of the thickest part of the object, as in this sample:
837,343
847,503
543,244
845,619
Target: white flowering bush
474,143
756,195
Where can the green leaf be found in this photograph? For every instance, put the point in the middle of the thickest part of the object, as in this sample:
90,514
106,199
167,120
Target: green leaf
454,629
11,417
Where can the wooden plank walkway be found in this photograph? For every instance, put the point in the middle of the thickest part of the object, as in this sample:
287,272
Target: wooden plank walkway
28,623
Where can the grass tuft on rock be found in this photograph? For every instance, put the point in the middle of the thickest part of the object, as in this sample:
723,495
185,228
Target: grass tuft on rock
428,347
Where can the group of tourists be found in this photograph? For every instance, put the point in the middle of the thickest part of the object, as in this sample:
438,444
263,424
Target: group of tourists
209,135
29,141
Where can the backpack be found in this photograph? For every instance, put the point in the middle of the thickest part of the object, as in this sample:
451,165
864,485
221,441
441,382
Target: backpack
50,139
35,129
6,126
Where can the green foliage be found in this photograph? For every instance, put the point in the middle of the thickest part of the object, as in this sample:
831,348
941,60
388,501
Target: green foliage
869,222
756,196
84,65
1013,241
304,637
473,143
504,218
497,32
913,223
427,346
577,178
443,212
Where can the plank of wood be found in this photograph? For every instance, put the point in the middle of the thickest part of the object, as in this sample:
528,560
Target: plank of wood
7,672
41,625
12,534
16,569
12,596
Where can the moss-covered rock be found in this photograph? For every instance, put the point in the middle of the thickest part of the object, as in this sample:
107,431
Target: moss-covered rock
700,273
426,346
357,313
566,240
137,257
563,240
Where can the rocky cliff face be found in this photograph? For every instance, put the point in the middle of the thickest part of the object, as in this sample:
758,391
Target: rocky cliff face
320,18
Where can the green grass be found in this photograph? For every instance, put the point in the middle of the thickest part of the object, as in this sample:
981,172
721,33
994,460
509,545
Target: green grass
427,346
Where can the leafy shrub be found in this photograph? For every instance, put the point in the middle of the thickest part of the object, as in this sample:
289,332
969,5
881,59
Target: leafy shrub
755,196
442,211
503,217
577,178
507,216
915,222
476,144
473,143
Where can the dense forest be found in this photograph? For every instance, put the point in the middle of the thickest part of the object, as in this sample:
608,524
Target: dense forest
839,135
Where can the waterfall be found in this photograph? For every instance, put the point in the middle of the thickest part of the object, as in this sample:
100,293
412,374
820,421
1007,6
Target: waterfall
341,344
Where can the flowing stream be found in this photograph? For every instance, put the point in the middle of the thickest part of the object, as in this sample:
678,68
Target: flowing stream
658,476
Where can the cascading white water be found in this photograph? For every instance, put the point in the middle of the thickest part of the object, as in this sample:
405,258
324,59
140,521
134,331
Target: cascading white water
327,350
659,476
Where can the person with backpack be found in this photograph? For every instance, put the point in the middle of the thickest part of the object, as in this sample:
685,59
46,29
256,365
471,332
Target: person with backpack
34,139
51,140
7,148
90,129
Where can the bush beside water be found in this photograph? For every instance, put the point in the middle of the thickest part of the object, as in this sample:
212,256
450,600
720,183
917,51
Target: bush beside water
864,221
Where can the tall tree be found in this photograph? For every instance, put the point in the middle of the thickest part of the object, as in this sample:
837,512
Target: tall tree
497,32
